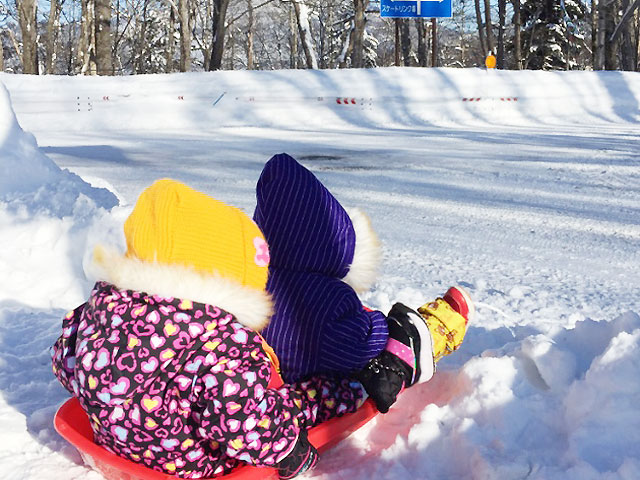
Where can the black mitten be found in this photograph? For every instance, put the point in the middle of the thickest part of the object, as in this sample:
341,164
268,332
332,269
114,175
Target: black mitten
303,457
398,365
383,379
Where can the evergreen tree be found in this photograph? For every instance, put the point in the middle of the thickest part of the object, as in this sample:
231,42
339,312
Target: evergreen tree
549,31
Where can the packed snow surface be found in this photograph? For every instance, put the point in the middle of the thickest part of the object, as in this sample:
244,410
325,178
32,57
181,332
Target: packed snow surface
524,187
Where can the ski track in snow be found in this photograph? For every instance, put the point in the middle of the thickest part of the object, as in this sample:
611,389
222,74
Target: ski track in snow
534,207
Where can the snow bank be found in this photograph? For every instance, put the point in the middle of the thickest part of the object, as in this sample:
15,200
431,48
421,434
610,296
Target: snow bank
539,407
46,218
366,98
30,448
604,404
29,179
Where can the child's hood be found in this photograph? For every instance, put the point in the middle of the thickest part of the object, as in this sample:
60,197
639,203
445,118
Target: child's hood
308,230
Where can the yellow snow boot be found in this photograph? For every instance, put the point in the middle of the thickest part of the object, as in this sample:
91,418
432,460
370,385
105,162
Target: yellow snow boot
447,319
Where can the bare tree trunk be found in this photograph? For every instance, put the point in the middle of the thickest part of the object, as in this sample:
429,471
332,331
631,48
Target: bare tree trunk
104,57
462,49
594,32
627,15
71,50
293,40
396,40
302,15
118,35
627,54
27,11
347,48
483,43
489,26
517,39
233,50
600,39
502,12
422,44
428,38
185,35
1,53
637,36
95,45
502,7
626,29
87,41
329,62
142,40
53,27
170,41
434,42
250,32
610,45
357,55
405,42
217,42
203,22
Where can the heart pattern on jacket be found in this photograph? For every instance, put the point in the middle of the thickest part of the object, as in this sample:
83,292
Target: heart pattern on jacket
180,386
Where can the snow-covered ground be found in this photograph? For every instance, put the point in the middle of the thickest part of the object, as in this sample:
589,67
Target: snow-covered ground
522,186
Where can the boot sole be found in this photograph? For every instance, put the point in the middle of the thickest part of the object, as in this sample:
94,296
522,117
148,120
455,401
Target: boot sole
470,304
425,367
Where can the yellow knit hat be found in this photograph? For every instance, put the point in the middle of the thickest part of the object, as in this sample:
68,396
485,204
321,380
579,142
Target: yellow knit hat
173,224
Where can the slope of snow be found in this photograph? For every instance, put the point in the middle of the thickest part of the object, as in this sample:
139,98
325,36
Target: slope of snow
44,214
521,186
30,179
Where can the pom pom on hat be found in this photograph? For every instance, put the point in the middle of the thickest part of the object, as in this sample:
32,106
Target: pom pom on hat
174,224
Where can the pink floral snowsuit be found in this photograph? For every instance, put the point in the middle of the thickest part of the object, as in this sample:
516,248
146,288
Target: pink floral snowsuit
182,387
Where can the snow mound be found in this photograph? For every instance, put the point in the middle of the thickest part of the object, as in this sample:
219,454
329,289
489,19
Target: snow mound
541,406
49,218
29,179
602,409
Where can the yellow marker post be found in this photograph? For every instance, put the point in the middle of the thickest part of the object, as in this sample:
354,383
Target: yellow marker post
490,61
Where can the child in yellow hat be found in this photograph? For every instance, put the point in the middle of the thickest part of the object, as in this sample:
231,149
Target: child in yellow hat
166,356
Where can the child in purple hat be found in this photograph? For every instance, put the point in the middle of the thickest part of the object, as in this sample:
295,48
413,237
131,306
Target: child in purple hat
321,256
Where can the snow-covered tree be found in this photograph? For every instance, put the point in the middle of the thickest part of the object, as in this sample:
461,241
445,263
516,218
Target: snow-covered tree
357,44
144,36
549,31
304,28
616,32
11,60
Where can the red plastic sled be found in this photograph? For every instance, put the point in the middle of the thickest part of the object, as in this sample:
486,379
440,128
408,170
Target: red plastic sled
72,423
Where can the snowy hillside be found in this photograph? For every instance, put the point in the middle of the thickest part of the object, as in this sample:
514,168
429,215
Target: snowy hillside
522,186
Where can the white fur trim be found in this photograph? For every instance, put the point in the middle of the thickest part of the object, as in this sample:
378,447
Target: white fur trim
363,271
251,307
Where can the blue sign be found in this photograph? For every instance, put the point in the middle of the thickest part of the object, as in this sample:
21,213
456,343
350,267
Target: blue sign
415,8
